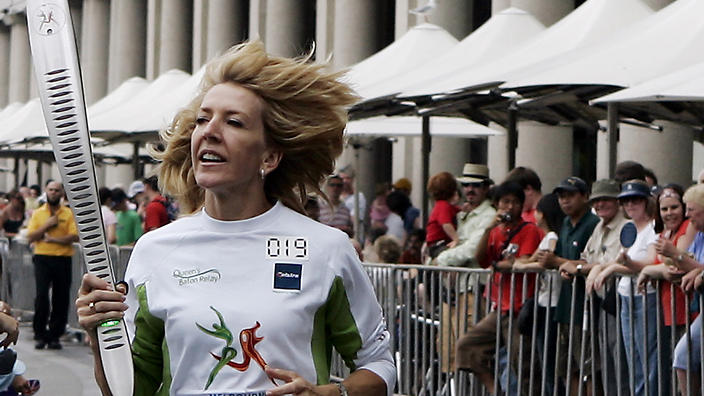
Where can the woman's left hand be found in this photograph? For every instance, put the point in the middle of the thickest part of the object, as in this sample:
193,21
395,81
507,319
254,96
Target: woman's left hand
297,385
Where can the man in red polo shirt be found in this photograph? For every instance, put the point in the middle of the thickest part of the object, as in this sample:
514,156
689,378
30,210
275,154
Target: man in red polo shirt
155,213
507,238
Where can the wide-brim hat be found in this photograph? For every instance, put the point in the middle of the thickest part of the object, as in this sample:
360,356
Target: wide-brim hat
634,188
605,188
573,184
473,173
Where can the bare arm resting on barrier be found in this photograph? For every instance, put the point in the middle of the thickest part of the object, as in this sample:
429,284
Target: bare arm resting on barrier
607,271
636,266
95,304
658,271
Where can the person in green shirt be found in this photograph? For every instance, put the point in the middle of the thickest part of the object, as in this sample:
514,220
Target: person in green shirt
577,227
129,224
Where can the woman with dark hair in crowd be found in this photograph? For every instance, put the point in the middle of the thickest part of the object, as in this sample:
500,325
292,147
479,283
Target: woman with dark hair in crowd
13,216
441,230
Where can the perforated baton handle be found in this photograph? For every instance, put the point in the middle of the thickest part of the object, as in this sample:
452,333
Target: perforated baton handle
58,76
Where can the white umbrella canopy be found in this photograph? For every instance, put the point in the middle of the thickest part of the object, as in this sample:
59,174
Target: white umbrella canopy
121,118
8,111
686,84
121,151
384,126
27,118
501,33
419,45
591,23
29,124
667,40
161,113
122,94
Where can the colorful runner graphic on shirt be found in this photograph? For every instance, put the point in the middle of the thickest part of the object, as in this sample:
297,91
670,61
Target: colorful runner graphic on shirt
248,339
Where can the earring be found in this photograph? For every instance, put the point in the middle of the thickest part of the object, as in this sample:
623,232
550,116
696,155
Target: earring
261,173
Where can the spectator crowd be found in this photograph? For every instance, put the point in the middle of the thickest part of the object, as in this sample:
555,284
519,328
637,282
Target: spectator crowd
566,244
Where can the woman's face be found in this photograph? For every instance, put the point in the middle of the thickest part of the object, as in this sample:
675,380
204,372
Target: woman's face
540,219
228,146
634,207
671,212
16,202
695,212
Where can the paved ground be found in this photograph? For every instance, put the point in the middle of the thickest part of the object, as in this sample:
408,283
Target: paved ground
66,372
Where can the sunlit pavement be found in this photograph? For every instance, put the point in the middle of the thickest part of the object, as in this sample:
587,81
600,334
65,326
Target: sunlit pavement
66,372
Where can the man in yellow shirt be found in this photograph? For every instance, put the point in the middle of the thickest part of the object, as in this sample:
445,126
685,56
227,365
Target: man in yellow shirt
53,231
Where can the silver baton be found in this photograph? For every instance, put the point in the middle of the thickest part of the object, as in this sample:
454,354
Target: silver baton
58,76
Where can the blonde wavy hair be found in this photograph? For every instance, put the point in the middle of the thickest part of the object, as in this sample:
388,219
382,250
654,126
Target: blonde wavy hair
304,116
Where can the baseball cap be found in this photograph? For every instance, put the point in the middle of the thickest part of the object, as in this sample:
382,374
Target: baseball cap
605,188
135,188
634,188
572,183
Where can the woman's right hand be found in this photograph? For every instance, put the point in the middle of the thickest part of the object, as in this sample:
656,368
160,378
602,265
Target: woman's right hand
97,303
665,248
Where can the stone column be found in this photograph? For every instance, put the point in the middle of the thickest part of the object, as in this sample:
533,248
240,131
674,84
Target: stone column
697,159
545,149
257,19
286,25
94,52
127,50
175,35
20,64
324,29
4,64
455,16
356,31
356,35
547,11
667,153
227,23
497,153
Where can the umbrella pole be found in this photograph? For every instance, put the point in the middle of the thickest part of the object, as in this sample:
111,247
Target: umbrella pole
612,118
355,193
425,148
135,160
17,170
512,132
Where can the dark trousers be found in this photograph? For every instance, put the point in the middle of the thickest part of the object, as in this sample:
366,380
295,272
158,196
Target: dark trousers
51,272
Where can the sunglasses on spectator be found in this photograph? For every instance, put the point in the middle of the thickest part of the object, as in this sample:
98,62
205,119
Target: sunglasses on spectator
335,184
473,184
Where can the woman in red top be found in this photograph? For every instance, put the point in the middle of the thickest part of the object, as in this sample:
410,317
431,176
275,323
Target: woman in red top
674,239
441,232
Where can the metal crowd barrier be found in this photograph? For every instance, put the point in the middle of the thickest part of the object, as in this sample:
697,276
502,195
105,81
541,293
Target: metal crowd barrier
428,308
17,285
